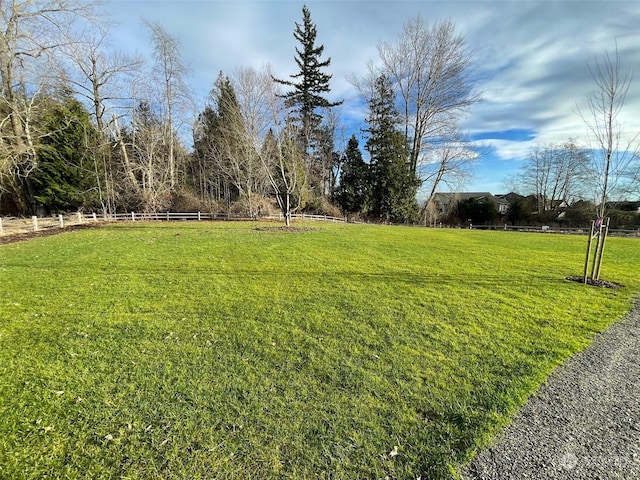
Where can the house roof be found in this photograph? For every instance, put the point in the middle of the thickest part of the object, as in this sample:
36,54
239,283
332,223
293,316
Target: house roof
449,197
509,197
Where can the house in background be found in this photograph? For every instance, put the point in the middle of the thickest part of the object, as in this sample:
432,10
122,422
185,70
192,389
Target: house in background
518,209
624,205
444,203
530,200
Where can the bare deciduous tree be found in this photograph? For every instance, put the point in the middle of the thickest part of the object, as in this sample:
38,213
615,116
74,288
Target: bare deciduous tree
282,158
615,151
287,171
431,67
254,89
453,161
171,72
102,74
150,158
555,174
99,77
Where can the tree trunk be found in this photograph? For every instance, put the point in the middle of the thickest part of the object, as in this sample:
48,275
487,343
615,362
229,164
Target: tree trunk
287,213
125,156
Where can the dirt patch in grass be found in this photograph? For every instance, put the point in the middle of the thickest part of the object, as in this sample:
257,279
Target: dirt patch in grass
24,236
595,283
285,229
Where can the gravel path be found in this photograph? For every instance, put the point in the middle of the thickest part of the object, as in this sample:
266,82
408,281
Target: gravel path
583,423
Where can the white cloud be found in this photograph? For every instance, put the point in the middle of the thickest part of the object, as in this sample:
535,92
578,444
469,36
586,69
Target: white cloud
538,53
532,56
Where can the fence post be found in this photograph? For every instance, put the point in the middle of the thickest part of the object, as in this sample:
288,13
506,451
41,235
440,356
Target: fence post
603,234
61,219
167,215
95,219
133,217
1,227
198,216
79,217
34,219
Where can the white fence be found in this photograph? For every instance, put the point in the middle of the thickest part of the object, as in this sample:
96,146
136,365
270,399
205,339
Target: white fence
12,225
550,229
198,216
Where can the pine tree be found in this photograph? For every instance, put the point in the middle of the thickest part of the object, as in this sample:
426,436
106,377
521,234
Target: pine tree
353,190
393,183
307,95
222,143
65,179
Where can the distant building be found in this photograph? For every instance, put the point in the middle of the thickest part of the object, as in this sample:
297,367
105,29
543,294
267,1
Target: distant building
624,205
445,202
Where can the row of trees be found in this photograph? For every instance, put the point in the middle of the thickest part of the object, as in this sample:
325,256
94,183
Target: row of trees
86,127
524,211
62,97
557,177
562,184
384,188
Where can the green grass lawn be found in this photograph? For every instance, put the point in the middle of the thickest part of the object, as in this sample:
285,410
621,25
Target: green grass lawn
217,350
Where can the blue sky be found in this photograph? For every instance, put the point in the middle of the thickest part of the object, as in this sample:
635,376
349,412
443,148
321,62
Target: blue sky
531,56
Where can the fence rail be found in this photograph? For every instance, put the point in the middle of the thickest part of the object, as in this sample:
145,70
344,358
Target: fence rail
13,225
551,229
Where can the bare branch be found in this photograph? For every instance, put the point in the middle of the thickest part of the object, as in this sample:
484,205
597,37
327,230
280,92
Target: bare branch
615,150
431,68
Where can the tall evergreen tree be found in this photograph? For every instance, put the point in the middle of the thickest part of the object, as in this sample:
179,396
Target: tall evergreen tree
477,210
65,178
306,97
353,190
208,182
220,140
235,151
393,182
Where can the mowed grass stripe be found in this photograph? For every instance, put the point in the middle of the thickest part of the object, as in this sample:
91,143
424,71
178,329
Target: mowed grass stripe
217,350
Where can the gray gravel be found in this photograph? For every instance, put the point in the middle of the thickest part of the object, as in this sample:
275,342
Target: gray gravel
583,423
